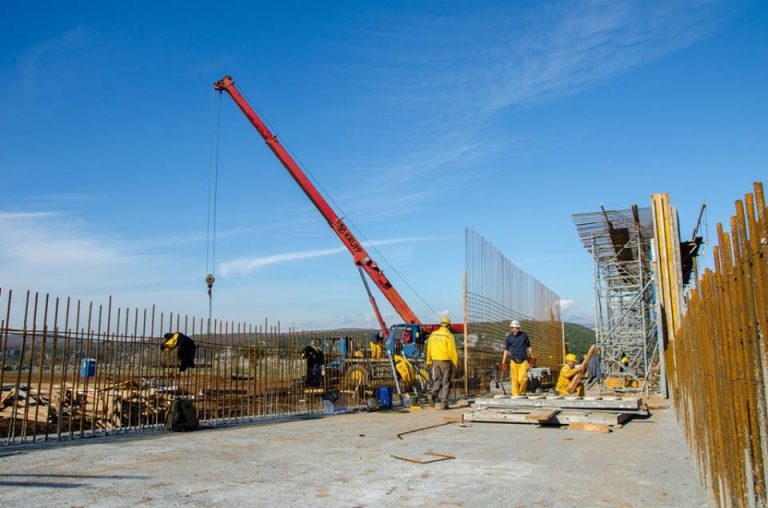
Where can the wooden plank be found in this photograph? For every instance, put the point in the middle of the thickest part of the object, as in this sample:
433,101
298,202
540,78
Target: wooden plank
577,378
498,417
607,418
542,415
590,427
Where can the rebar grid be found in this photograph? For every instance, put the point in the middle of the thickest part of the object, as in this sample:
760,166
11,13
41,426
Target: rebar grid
244,372
497,291
717,357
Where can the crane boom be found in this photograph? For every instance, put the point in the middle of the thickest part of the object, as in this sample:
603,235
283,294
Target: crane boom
359,254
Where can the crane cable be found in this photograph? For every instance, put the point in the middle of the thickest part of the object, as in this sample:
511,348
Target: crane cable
213,188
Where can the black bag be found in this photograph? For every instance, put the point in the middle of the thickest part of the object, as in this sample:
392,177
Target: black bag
182,416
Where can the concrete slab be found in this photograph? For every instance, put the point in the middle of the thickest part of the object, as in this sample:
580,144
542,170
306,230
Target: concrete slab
345,461
628,403
556,417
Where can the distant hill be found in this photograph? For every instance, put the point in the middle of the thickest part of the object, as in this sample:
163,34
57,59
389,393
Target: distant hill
578,338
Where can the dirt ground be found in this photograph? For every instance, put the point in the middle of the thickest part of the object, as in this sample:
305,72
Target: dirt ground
345,460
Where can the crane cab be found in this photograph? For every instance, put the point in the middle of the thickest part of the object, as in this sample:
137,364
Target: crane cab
408,340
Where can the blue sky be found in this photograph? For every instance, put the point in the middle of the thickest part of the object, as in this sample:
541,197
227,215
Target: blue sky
418,118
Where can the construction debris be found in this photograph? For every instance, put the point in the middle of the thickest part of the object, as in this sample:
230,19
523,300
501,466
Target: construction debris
440,456
400,435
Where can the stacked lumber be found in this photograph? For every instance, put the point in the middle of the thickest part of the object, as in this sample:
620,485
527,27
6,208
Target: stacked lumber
126,404
24,409
123,405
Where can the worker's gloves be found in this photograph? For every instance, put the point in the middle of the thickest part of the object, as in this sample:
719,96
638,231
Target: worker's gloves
532,362
503,366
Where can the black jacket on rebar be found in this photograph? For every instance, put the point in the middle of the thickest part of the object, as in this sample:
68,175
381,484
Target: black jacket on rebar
315,361
185,349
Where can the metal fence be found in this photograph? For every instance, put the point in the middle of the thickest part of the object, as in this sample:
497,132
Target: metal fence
71,369
718,357
496,292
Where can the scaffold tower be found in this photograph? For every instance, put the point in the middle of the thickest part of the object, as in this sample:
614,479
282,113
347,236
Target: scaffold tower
620,242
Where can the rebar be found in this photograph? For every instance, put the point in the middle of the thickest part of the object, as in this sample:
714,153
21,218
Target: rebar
497,291
243,372
716,351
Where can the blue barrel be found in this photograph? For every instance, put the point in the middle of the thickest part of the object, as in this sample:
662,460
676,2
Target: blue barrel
384,394
88,367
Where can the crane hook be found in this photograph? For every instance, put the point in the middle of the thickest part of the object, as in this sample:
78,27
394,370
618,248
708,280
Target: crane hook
209,280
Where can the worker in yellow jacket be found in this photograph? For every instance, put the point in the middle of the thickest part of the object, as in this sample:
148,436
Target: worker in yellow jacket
567,373
377,346
442,356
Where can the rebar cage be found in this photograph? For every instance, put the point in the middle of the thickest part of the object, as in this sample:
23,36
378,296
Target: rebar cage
496,292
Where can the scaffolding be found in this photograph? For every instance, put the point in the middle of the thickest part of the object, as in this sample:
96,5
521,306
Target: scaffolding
626,328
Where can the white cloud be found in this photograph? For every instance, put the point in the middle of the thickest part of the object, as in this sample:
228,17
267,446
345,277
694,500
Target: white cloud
21,216
244,266
48,240
59,252
573,311
37,56
456,72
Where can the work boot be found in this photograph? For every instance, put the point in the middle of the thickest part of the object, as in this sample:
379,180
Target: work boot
445,406
430,400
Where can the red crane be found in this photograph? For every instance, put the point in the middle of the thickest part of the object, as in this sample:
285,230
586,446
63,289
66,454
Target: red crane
359,254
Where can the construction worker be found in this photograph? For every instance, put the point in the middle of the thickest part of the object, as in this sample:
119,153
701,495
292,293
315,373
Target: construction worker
568,372
377,346
517,346
629,379
594,371
624,363
442,356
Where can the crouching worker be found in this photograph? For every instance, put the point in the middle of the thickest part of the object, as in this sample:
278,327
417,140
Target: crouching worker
569,382
185,349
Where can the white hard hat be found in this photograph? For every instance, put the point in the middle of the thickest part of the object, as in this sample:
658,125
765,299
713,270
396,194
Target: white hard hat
514,324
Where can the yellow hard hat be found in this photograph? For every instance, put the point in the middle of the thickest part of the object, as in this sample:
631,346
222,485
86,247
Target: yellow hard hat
445,321
570,357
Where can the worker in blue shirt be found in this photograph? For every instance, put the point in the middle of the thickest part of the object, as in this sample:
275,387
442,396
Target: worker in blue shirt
518,348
